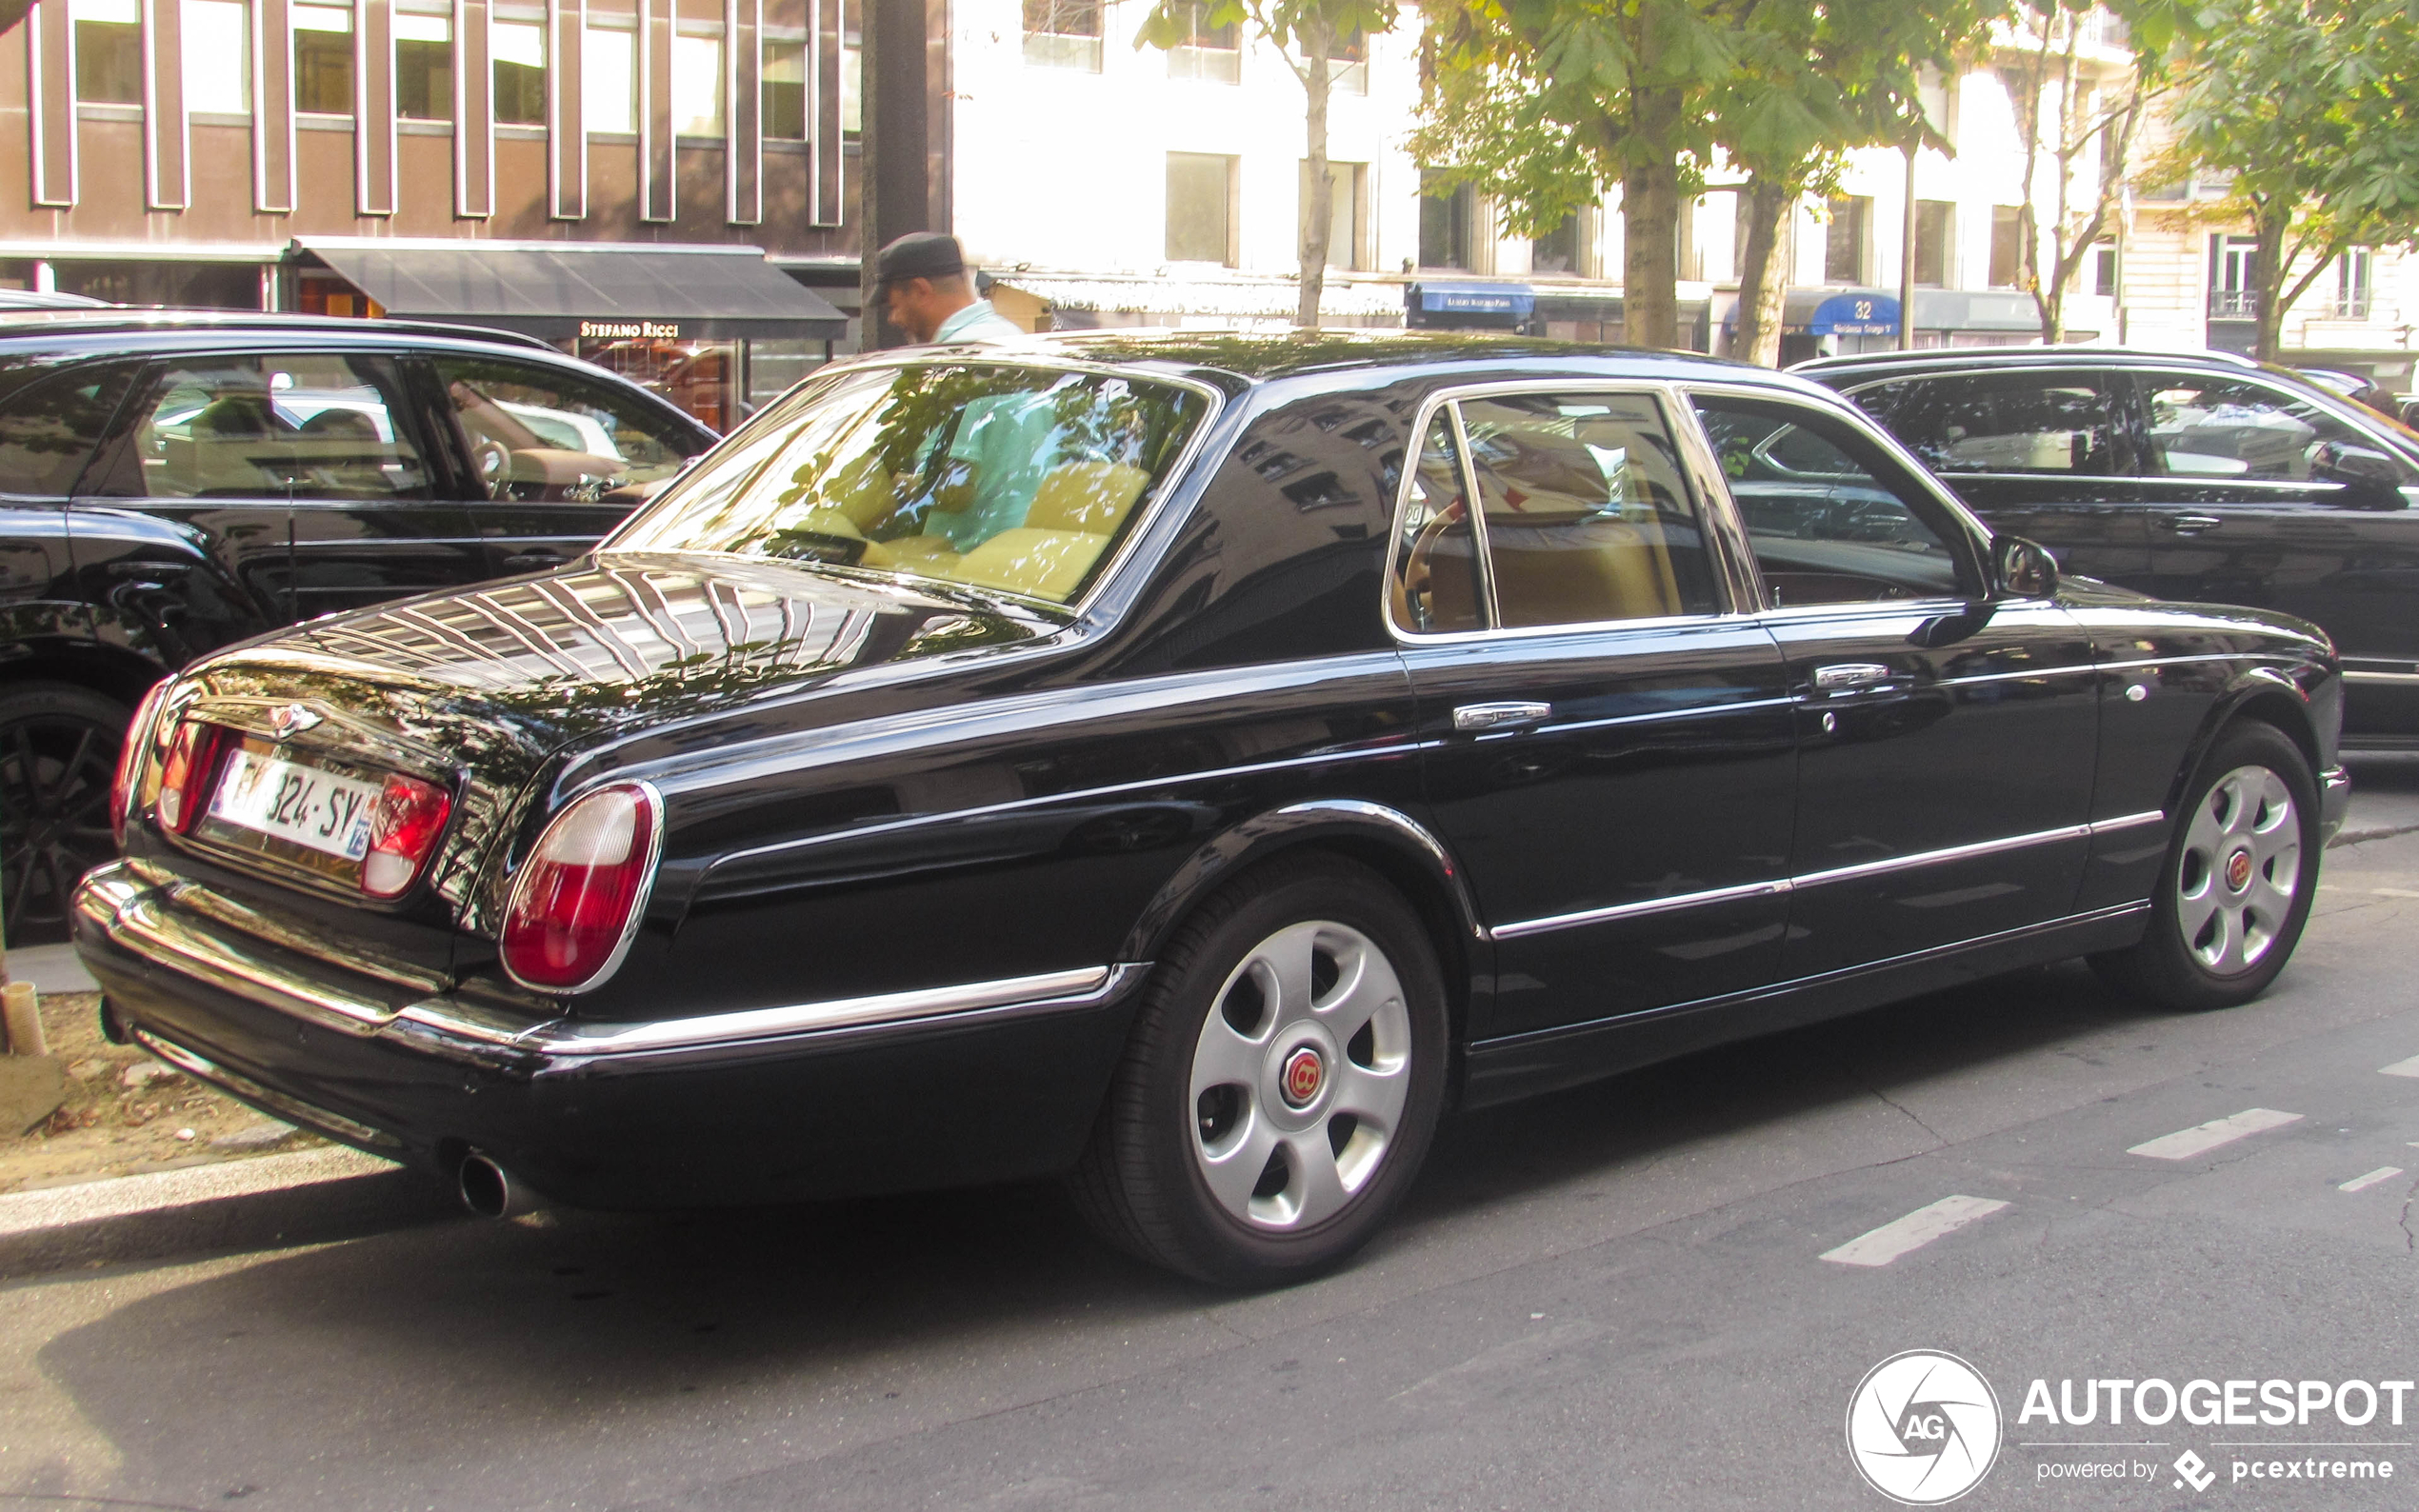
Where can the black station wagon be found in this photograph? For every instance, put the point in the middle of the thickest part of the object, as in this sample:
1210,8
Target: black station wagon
1188,765
172,482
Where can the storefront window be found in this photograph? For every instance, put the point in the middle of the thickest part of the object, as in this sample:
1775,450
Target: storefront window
323,59
519,51
109,51
218,57
609,72
697,86
424,68
785,102
701,377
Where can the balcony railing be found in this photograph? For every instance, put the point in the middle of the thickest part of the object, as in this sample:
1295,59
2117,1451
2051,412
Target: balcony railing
2348,306
2234,303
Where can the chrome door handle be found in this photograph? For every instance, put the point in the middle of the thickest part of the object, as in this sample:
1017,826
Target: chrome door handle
2192,524
1842,675
1497,716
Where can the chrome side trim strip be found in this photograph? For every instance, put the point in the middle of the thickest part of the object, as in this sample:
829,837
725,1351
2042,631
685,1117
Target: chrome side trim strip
1815,879
1053,989
2395,679
2203,656
2070,669
203,1069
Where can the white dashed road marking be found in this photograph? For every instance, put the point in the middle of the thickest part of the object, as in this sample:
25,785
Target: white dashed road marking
2185,1143
2409,1067
1913,1231
2362,1184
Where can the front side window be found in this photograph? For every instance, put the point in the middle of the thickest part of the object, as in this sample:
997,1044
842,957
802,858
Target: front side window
109,51
311,425
1062,34
323,59
1830,517
47,430
424,67
218,57
2224,427
541,436
1015,478
2013,423
518,51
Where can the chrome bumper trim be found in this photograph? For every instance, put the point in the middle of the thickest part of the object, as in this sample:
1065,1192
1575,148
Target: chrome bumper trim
133,918
202,1068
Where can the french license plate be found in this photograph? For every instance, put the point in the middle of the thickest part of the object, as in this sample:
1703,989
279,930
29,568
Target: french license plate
306,805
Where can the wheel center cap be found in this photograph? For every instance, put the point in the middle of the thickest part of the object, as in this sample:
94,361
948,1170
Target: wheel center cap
1305,1074
2238,870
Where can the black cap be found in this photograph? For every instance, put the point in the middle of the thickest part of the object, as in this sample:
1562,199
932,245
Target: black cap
922,254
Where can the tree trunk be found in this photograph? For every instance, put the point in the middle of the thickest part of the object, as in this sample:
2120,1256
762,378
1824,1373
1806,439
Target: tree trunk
1318,40
1763,281
2268,281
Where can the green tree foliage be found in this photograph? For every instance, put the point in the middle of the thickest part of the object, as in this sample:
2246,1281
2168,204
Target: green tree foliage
1306,33
2314,107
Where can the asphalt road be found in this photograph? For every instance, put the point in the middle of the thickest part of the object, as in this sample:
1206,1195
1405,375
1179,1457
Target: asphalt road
1616,1298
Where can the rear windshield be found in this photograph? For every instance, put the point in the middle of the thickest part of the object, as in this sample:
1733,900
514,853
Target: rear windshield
1013,477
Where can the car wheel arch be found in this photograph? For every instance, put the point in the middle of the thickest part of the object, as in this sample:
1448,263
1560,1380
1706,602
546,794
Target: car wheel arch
2259,694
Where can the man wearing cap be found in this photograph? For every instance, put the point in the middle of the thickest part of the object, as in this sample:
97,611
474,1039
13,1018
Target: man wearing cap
931,297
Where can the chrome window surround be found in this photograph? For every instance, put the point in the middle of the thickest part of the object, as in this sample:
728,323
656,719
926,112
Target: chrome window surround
1779,886
1179,468
1711,510
652,801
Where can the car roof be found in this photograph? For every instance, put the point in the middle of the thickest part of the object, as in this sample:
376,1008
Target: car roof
1961,359
1267,357
80,326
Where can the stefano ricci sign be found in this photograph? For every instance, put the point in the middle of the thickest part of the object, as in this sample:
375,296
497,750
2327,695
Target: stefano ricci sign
1924,1427
629,330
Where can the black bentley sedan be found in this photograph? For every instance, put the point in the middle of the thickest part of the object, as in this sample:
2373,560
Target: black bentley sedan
2188,475
1187,765
174,481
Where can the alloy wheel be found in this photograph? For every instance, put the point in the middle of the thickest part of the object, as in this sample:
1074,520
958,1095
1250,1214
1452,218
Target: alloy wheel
55,815
2236,879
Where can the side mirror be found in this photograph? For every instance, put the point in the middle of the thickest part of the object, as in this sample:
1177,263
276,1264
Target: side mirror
2024,569
2370,479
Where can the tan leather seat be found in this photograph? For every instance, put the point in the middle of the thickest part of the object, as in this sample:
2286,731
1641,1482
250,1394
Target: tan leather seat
1095,496
1579,571
1045,563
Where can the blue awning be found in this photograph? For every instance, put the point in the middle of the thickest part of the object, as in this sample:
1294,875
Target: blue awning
1858,312
1476,299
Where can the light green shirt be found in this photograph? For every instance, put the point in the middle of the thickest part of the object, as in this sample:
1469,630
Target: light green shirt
978,325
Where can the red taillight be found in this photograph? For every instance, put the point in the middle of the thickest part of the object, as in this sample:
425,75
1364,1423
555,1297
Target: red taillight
185,775
404,825
579,895
130,761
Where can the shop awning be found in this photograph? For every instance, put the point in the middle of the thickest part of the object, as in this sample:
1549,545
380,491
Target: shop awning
599,291
1475,299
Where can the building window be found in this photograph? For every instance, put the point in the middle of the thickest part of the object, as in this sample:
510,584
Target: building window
2104,267
109,51
2351,285
1843,240
697,86
785,84
1559,251
1199,208
609,80
218,57
1063,34
1348,64
1345,184
517,49
1446,219
1208,52
424,67
1934,235
323,59
2233,285
2006,245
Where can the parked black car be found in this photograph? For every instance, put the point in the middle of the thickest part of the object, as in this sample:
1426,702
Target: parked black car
1137,759
2199,477
170,483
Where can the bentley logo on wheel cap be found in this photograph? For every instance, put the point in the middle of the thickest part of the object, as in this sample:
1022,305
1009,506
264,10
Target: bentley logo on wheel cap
1304,1073
2238,870
290,719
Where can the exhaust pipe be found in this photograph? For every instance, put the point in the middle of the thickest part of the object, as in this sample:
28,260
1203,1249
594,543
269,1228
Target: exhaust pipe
491,1191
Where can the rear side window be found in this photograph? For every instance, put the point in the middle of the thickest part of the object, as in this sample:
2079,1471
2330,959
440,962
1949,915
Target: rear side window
2224,427
49,429
2013,423
292,425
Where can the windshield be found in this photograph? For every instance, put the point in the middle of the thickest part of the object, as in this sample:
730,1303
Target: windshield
1012,477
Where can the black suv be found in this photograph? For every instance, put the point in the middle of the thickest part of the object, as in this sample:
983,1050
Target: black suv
2199,476
173,482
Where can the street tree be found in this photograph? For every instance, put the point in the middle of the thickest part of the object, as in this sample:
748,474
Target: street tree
2312,106
1310,36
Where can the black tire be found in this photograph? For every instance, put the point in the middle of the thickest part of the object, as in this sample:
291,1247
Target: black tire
1143,1180
2187,961
58,750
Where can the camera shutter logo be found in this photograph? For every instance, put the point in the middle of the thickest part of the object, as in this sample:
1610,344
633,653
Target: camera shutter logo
1923,1428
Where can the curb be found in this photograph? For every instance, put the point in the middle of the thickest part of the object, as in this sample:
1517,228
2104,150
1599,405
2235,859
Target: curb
2357,837
307,1197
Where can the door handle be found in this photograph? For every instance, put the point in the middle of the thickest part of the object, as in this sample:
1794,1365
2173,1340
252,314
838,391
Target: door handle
2192,524
1499,716
1840,676
537,561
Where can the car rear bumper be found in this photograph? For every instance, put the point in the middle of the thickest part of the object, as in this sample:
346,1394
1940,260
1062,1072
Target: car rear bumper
988,1081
